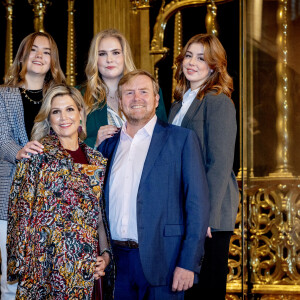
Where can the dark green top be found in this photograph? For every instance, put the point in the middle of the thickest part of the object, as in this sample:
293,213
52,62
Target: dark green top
98,118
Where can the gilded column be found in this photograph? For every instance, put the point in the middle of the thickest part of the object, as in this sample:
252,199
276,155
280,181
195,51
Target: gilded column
177,45
210,19
70,67
283,168
39,9
107,16
9,35
142,59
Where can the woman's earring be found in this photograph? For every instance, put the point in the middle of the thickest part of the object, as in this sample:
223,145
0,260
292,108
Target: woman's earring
80,127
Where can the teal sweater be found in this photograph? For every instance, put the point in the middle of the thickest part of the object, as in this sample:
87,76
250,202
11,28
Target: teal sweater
98,118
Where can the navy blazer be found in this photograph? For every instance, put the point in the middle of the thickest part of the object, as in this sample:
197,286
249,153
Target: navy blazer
172,202
214,121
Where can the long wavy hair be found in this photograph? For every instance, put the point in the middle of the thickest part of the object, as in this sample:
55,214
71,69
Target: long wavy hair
218,80
15,77
95,87
42,124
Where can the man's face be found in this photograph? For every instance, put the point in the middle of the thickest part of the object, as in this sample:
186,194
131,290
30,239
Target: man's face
138,101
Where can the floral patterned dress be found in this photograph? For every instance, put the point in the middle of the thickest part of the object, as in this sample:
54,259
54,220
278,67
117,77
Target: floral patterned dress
56,215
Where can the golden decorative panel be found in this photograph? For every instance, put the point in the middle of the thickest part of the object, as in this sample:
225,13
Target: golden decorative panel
274,227
274,242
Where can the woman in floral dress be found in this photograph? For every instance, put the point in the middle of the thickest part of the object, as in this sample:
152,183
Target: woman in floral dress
57,224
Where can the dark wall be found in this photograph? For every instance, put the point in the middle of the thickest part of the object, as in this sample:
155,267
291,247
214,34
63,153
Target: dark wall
56,23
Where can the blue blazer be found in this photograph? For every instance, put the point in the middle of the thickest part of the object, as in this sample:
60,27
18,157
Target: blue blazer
172,202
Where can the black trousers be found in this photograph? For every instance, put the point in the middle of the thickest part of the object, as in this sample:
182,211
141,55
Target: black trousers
213,274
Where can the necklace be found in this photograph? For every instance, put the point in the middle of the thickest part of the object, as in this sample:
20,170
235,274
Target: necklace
31,100
35,91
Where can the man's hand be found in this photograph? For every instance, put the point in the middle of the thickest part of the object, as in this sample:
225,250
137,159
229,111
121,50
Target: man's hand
182,280
208,233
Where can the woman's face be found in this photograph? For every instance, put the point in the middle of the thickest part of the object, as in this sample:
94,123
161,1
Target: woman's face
195,68
65,119
39,59
110,59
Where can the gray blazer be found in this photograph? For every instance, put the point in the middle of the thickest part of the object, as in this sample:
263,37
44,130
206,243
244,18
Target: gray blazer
214,121
13,137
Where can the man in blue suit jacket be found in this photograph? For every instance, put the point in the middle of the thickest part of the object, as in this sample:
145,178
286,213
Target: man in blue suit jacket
156,198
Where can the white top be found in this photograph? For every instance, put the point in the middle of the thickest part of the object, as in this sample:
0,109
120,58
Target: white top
113,118
187,100
125,179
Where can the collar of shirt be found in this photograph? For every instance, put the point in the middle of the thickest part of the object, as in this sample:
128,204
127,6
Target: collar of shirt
146,130
189,96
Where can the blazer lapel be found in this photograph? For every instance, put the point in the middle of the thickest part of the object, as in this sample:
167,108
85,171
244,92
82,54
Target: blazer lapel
159,137
174,110
191,112
115,140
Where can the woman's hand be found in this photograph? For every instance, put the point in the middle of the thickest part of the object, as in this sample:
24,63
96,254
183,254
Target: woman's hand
105,132
101,263
208,233
33,147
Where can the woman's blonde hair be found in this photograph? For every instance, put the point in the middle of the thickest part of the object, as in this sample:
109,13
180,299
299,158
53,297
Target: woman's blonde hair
42,125
96,89
15,76
218,79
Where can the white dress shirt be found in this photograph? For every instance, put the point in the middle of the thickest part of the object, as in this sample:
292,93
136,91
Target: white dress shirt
187,100
125,179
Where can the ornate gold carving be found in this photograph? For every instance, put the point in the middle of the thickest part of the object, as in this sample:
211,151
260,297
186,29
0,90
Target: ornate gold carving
274,226
177,44
140,4
210,19
9,35
283,168
39,9
235,261
237,258
70,67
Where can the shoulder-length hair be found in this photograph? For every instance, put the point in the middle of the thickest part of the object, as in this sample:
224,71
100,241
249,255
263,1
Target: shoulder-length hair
218,80
42,125
15,76
96,89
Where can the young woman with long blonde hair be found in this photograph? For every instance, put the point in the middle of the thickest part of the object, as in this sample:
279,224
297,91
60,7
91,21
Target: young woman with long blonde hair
109,59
